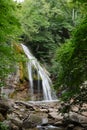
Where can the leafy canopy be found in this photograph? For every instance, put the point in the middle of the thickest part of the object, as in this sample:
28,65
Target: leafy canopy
8,20
72,59
9,30
44,24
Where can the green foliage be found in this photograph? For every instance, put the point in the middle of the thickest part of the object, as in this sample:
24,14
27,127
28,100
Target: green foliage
8,20
45,26
82,1
72,57
7,59
9,30
3,126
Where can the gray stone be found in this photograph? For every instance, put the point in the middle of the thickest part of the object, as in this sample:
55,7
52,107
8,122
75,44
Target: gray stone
55,115
31,121
52,110
16,121
16,107
58,123
78,118
44,110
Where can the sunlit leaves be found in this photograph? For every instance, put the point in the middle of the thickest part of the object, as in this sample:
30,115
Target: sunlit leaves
8,20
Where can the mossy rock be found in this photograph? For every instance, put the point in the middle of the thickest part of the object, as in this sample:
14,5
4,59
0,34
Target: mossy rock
1,117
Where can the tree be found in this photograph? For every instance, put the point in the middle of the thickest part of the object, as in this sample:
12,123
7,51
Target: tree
72,59
8,20
45,26
9,29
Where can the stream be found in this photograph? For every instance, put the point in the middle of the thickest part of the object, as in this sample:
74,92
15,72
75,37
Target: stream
48,127
45,123
45,126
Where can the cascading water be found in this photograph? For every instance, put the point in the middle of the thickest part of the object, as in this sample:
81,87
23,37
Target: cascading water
41,74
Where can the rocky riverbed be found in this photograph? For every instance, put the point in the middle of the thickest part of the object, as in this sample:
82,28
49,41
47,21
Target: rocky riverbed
21,115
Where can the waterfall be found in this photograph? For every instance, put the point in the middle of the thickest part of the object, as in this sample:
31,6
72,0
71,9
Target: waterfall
41,74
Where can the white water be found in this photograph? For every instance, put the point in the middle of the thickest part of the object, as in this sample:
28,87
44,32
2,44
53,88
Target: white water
42,74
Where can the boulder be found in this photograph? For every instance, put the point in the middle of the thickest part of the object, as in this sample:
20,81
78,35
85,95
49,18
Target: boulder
78,118
16,122
31,121
27,105
55,115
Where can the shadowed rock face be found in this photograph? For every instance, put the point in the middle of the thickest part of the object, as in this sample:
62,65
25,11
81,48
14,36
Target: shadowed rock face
4,108
22,91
